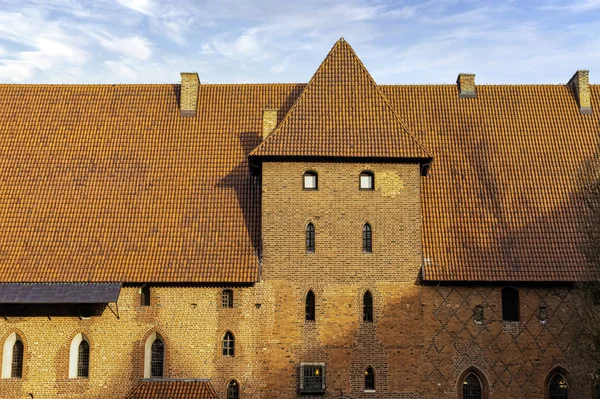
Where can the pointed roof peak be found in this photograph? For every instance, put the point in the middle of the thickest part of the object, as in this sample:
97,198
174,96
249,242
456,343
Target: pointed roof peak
342,113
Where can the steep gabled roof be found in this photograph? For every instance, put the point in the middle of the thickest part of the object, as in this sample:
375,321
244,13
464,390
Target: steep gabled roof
342,113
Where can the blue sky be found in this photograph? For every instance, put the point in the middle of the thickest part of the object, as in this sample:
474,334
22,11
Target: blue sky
234,41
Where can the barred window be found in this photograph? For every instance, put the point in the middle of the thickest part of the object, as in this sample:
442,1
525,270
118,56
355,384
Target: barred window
559,387
145,296
228,344
227,299
157,359
367,239
233,390
368,307
310,238
510,304
17,360
312,378
310,181
83,360
367,181
369,379
310,306
471,388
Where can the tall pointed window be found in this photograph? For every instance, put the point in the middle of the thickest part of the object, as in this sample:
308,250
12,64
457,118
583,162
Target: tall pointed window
233,390
368,307
228,344
145,296
510,304
367,181
17,360
558,387
310,306
158,358
369,379
367,239
310,238
83,360
227,299
310,181
471,388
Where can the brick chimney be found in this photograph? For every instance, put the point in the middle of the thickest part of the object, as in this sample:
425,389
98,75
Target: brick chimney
466,85
269,121
188,99
581,85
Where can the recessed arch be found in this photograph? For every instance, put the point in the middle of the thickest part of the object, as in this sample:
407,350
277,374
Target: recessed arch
233,390
310,306
12,356
154,356
367,307
559,384
472,384
369,379
79,356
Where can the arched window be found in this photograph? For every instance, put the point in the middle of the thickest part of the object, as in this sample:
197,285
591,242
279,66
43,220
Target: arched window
154,356
367,239
228,344
233,390
158,358
79,359
472,384
369,379
510,304
227,299
12,357
83,360
145,296
367,180
368,307
558,387
310,181
310,238
310,306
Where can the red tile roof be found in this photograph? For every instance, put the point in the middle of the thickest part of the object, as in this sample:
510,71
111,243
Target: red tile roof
173,389
109,183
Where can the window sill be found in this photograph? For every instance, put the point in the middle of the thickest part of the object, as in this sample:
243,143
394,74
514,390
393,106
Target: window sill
369,391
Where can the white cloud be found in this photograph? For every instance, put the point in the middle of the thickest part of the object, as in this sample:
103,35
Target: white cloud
141,6
130,47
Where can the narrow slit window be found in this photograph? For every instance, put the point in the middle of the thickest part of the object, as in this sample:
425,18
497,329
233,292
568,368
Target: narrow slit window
228,344
227,299
310,306
367,239
310,181
83,360
145,296
17,360
368,307
510,304
157,359
310,238
369,379
367,181
233,390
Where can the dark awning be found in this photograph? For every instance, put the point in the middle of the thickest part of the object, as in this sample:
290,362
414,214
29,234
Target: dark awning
22,293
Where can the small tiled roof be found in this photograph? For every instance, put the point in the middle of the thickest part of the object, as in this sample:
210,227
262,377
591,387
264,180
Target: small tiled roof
173,389
342,113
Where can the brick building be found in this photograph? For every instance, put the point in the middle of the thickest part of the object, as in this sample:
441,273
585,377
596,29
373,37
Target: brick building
337,239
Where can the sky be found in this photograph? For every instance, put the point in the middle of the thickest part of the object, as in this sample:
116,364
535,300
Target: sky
247,41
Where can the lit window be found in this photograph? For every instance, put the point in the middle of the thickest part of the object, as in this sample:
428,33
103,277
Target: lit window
367,239
471,388
227,299
228,344
510,304
233,390
368,307
310,181
559,387
312,378
145,296
367,181
310,238
310,306
369,379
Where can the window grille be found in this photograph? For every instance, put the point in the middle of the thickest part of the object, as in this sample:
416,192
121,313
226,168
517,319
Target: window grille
228,344
367,181
471,387
510,304
157,358
312,378
478,314
369,380
227,299
145,296
310,238
310,181
233,390
83,360
310,306
368,307
367,239
17,360
559,388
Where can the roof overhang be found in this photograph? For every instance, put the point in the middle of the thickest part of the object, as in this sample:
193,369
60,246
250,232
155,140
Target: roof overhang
59,293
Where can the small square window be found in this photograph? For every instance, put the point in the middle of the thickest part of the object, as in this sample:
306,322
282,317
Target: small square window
310,181
312,378
367,181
